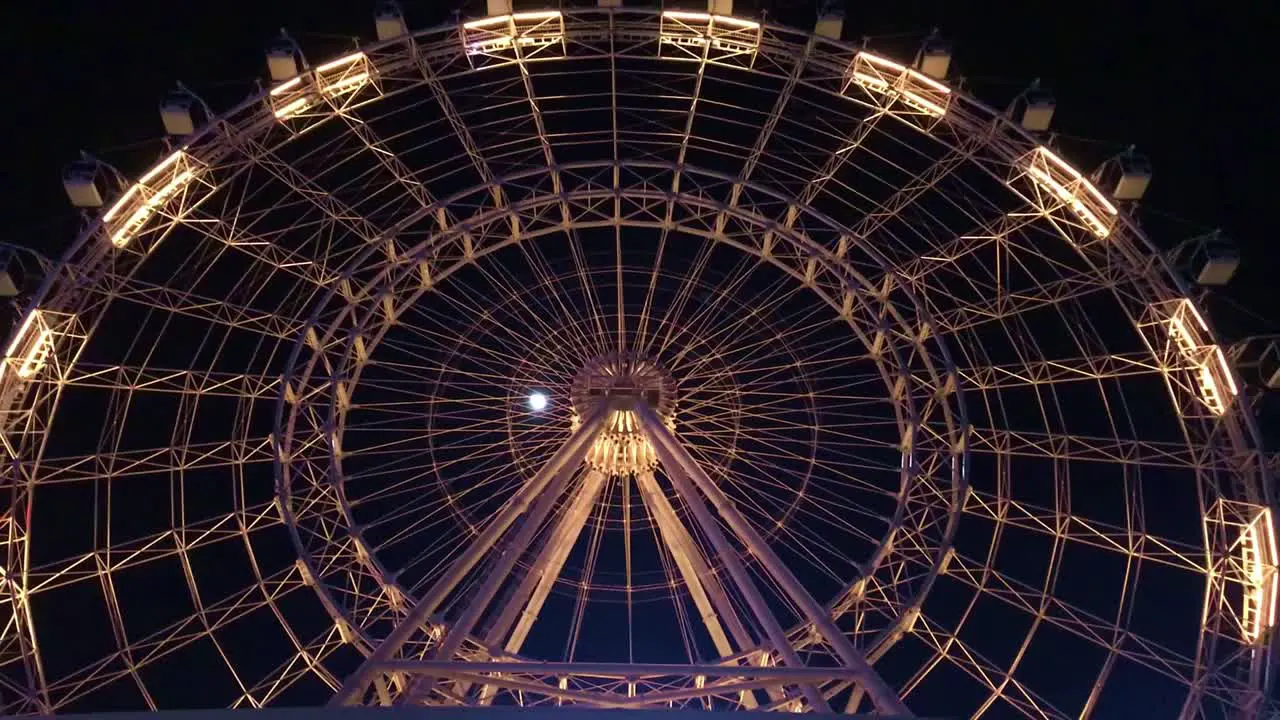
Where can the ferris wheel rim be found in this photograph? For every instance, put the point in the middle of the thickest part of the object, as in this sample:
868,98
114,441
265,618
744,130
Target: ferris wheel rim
1131,235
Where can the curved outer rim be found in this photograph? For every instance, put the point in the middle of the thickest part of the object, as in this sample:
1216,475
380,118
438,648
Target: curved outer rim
86,256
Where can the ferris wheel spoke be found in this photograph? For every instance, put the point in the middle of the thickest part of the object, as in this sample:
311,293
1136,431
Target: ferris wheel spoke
391,163
318,267
766,471
275,323
1113,450
677,461
326,203
683,293
1063,370
504,295
566,213
848,147
261,386
167,459
743,350
687,328
542,316
1039,605
508,356
909,193
124,554
1057,523
836,432
728,338
155,647
767,130
308,660
997,681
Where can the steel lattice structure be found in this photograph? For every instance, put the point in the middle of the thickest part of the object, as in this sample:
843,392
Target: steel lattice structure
859,398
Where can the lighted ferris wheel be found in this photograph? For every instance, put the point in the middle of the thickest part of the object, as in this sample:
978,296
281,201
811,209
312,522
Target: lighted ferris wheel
626,358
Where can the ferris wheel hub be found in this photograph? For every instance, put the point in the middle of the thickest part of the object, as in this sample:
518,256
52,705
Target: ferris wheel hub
622,447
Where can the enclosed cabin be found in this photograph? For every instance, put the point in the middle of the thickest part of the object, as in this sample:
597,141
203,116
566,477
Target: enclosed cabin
1132,176
388,21
1213,259
11,273
182,113
498,7
1218,266
83,181
283,60
830,22
935,58
1036,111
712,7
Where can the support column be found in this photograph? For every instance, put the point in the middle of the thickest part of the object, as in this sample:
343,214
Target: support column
678,462
526,602
568,457
652,426
708,596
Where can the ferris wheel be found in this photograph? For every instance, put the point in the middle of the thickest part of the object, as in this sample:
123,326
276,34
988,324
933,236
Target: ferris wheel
626,358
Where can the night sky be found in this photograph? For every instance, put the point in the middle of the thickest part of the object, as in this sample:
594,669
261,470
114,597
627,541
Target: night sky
1186,86
1180,82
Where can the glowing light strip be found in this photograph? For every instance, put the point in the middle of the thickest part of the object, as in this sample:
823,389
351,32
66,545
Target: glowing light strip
154,172
121,237
1075,175
153,198
345,60
1090,218
1192,350
499,19
906,85
345,85
37,354
17,337
707,18
293,108
286,85
1258,547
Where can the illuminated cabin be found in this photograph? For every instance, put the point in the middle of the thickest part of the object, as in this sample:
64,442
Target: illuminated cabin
282,61
10,286
1133,177
1037,110
388,21
1218,265
498,7
830,25
935,58
82,181
181,113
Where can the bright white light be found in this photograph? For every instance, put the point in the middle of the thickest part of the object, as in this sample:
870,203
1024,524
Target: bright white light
537,401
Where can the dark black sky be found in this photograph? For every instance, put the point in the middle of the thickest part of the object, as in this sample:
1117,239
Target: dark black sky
1186,82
